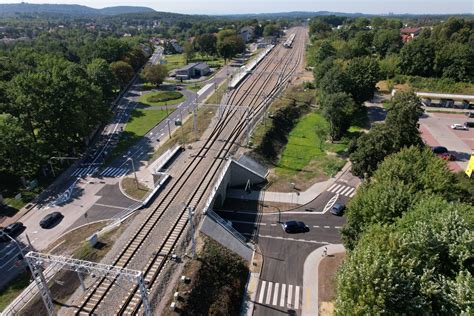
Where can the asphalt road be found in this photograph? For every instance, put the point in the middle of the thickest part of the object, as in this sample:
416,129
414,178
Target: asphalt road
280,290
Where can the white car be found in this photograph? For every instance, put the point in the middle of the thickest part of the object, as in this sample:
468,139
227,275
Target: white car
459,126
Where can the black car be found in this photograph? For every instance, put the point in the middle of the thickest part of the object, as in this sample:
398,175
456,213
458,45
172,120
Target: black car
337,209
13,230
295,227
439,149
51,219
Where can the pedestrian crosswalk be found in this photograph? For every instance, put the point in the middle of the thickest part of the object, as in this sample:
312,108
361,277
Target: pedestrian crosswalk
111,172
283,295
84,171
114,172
342,189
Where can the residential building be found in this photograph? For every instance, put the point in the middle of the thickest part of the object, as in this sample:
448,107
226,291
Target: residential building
409,33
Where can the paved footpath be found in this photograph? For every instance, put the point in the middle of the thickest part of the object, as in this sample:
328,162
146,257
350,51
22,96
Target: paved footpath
311,277
300,198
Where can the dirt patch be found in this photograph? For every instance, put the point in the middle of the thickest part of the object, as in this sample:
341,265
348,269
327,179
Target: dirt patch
68,243
326,275
134,189
65,283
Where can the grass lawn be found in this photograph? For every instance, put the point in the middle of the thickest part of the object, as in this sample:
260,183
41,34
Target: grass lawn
177,61
140,123
13,290
174,61
195,87
305,147
162,98
187,135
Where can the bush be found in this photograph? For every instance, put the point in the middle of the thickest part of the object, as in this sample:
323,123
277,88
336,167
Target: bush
164,96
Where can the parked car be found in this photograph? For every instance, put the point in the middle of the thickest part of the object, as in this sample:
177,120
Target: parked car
337,209
51,219
459,126
13,230
447,156
295,227
439,149
469,114
469,124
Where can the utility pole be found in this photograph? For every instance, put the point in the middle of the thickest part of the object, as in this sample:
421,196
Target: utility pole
195,105
134,171
169,128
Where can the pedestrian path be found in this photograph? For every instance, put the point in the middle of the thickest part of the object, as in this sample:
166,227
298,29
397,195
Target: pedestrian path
84,171
342,189
114,172
283,295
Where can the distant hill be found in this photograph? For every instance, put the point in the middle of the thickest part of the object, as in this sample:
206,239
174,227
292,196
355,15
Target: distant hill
69,9
294,14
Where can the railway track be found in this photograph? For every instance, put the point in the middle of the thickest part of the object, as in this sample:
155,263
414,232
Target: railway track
230,126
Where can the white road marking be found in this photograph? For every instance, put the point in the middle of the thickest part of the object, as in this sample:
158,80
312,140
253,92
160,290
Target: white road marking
269,293
262,290
336,188
340,189
332,186
275,294
350,191
282,295
345,190
297,297
293,239
290,294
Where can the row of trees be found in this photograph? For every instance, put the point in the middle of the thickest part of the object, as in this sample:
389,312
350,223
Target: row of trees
343,87
50,104
226,43
445,51
409,239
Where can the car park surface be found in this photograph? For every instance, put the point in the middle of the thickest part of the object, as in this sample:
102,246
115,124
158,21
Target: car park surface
436,131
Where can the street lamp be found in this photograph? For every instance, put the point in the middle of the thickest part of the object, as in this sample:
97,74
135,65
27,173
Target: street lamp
134,171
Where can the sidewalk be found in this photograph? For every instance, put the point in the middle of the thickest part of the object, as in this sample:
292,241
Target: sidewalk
311,278
300,198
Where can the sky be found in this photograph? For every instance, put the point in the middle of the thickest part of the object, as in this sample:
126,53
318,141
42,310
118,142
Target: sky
267,6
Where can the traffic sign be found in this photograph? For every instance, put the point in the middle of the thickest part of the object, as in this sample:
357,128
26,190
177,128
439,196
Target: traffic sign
470,166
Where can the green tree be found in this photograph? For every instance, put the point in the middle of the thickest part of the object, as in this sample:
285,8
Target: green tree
100,74
363,74
402,119
387,42
320,70
337,108
417,57
335,80
230,46
270,30
155,74
135,58
123,72
455,61
324,51
207,43
418,265
397,184
189,52
18,151
400,130
389,66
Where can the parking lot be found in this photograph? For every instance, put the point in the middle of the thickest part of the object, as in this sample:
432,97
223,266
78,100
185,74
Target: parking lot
436,131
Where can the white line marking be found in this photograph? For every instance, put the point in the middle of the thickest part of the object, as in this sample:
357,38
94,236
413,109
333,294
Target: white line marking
336,188
316,226
290,294
262,290
327,227
275,294
350,191
297,240
269,293
340,189
345,191
297,297
331,187
282,295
